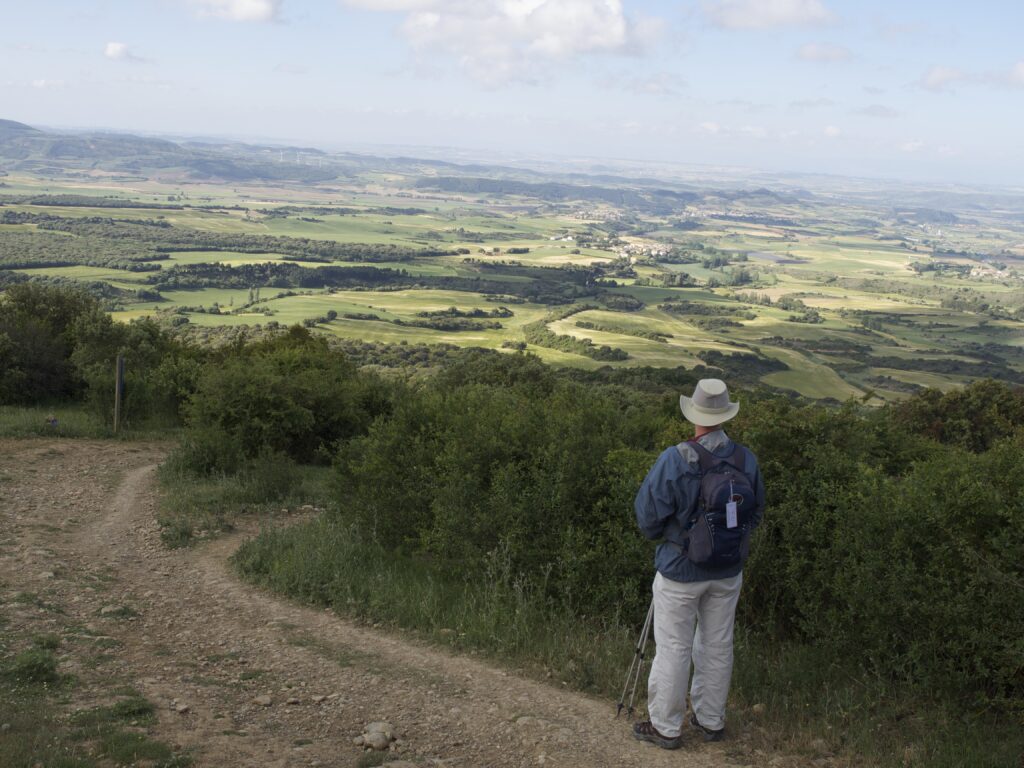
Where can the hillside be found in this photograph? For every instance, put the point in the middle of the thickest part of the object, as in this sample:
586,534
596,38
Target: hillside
27,149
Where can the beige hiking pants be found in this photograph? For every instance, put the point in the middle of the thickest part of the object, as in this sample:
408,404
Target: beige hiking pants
692,619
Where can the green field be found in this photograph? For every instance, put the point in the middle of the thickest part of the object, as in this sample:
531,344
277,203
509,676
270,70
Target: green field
852,310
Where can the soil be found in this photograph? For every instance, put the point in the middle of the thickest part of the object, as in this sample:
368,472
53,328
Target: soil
79,530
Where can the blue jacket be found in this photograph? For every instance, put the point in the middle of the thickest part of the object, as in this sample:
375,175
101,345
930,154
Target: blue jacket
669,496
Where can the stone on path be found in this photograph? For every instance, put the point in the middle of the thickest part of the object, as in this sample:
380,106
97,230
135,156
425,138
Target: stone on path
377,741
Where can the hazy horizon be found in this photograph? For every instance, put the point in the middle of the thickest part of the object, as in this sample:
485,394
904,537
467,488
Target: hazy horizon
917,93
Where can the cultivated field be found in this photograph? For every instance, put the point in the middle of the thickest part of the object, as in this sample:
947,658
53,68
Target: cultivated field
836,296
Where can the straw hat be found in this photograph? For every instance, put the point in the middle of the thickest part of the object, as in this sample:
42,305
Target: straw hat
709,405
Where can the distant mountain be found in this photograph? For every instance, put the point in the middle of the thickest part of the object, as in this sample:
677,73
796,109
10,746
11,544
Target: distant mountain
24,148
652,200
27,149
11,127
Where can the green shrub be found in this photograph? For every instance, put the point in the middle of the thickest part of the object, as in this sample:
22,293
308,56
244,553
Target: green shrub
206,450
269,476
973,417
878,545
288,396
177,533
128,748
46,642
36,665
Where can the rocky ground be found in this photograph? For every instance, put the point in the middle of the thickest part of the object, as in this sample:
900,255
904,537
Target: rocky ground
243,678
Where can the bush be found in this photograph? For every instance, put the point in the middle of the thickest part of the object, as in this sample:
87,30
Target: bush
879,546
517,465
36,665
290,396
887,549
40,328
972,417
269,476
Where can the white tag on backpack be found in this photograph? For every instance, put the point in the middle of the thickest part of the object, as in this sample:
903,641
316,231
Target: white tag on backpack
730,515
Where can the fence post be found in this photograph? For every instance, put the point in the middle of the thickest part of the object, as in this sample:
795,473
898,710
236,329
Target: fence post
118,392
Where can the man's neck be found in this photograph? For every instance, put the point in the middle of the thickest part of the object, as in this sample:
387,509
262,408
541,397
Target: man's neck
699,431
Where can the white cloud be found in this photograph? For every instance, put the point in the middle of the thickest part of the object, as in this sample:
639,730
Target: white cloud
821,101
911,146
711,128
657,84
42,83
941,78
827,52
501,40
238,10
391,5
877,110
832,131
761,14
291,68
120,52
1016,76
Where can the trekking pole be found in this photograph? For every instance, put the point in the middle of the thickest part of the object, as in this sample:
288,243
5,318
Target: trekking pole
638,656
643,651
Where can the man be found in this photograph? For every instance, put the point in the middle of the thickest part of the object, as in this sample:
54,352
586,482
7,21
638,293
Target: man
695,602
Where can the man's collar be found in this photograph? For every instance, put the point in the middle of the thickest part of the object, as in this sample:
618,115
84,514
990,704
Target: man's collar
714,439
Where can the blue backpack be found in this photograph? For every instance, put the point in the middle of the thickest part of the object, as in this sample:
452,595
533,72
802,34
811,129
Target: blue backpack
717,535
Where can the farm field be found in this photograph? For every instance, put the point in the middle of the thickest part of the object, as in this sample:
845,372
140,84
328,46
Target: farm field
831,297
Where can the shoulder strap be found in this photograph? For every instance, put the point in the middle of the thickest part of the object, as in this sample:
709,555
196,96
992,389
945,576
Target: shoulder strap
704,456
737,459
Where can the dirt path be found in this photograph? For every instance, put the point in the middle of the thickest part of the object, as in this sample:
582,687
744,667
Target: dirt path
79,529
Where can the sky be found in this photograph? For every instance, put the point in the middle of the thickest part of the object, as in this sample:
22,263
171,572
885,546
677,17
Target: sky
917,90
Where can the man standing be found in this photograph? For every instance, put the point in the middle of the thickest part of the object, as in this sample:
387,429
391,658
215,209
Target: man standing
703,497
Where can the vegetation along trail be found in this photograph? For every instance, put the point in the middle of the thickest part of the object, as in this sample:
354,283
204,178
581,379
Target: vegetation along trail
240,678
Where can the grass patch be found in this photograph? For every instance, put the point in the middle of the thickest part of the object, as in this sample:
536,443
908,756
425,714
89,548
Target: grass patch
35,666
35,737
47,642
128,747
813,705
495,614
62,421
810,705
134,710
193,508
107,730
31,598
36,732
73,421
120,612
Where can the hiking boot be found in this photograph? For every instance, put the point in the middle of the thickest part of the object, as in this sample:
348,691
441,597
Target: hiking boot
645,731
709,735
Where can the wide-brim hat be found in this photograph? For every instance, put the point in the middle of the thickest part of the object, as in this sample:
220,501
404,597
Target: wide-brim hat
710,404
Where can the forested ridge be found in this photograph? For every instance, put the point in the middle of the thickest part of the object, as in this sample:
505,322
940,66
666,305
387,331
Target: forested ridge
150,239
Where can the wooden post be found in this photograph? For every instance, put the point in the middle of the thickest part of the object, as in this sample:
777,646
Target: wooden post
118,392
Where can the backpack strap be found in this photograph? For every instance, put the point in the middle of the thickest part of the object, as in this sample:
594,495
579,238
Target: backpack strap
737,459
706,461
